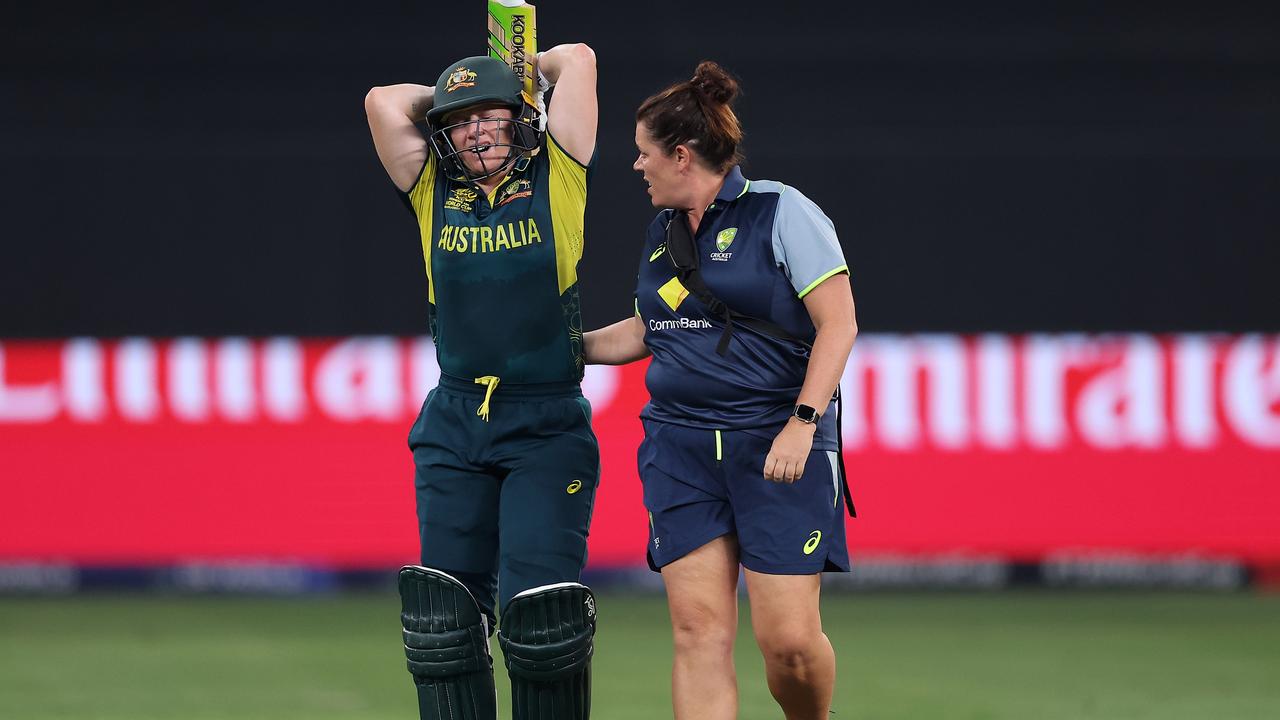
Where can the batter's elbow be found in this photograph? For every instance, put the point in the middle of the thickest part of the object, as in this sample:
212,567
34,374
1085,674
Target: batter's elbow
582,53
371,99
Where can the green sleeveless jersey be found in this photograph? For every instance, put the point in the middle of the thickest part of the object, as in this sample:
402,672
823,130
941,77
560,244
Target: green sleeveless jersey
502,269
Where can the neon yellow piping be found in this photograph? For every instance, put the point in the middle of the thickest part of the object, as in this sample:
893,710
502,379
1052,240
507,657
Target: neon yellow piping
816,283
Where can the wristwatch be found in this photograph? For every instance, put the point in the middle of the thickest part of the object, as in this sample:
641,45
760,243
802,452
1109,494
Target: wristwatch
806,414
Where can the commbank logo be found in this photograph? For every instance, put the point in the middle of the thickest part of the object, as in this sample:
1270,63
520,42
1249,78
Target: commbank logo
673,293
681,324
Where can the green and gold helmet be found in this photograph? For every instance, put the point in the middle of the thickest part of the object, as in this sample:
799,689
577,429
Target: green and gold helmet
480,80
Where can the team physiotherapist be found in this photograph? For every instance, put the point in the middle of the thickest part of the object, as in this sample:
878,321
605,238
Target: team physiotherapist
739,460
506,462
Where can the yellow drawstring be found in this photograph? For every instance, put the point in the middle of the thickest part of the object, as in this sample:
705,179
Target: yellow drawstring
490,383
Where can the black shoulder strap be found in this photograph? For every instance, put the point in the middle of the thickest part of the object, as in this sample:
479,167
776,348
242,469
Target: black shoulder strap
682,253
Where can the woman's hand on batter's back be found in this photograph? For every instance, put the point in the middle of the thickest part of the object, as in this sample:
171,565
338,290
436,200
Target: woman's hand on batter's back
785,462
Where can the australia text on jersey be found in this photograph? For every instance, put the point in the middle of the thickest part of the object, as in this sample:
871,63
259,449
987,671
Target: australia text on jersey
485,239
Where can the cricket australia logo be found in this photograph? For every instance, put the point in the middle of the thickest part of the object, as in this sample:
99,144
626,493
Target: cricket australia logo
723,240
460,78
461,199
514,190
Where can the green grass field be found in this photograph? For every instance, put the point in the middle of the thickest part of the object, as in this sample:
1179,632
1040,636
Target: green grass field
968,656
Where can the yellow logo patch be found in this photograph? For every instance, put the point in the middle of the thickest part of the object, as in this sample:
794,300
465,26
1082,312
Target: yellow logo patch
459,78
461,199
815,537
673,293
574,487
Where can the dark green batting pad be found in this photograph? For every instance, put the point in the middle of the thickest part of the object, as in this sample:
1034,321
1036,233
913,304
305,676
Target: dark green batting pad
547,639
446,642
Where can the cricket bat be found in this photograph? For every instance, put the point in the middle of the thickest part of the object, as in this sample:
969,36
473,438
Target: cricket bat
513,39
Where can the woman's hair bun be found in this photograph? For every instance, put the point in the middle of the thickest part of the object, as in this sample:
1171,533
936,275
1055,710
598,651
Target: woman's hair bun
713,83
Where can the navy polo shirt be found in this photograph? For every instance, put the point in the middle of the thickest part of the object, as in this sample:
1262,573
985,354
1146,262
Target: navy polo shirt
762,247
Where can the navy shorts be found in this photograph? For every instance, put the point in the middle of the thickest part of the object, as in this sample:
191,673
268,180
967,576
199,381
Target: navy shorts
504,505
700,484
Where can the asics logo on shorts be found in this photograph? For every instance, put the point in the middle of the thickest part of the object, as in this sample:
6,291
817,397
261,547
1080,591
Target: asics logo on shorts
574,487
815,537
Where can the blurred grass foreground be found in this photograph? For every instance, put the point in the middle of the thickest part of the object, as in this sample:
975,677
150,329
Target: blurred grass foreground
990,656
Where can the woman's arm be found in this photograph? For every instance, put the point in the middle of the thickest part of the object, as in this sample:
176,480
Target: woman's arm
617,344
830,306
392,112
571,118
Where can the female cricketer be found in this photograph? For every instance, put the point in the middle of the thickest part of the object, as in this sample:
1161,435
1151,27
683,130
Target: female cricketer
506,462
739,461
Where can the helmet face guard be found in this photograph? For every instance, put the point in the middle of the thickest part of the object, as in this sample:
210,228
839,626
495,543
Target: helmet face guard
518,136
482,81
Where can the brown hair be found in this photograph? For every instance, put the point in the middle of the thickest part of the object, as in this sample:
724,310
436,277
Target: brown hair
697,113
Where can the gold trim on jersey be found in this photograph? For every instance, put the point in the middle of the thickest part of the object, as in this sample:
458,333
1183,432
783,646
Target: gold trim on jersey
422,197
568,189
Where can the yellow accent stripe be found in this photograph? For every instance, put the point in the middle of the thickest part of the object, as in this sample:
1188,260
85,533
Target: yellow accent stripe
744,189
835,476
719,447
422,198
816,283
637,300
568,191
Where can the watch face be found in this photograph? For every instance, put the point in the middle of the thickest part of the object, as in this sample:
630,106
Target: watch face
806,413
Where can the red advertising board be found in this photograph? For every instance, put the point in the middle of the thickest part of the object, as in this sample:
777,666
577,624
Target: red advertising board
143,451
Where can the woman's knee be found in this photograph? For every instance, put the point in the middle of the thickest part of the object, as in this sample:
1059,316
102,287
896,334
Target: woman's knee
790,649
700,629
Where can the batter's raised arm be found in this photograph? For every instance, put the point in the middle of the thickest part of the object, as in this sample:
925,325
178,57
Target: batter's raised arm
392,112
571,118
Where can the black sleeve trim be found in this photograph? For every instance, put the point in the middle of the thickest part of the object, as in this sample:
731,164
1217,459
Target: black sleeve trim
569,155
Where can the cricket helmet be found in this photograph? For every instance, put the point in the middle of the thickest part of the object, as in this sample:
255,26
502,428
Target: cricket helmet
480,80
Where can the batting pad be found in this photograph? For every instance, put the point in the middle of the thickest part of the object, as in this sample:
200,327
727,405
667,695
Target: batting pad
546,636
446,641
